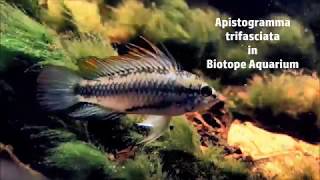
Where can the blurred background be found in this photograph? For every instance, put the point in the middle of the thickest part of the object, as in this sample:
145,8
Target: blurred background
267,127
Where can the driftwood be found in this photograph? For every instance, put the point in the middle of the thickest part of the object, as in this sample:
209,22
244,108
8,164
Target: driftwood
11,168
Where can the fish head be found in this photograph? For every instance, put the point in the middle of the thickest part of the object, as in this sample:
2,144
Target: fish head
206,98
201,95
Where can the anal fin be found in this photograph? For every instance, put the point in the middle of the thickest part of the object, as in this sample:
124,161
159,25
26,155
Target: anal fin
91,110
158,125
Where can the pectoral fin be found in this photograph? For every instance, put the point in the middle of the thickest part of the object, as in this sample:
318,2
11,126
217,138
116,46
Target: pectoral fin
91,110
158,125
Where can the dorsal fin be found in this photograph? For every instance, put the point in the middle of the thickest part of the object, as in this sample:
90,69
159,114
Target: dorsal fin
138,59
158,51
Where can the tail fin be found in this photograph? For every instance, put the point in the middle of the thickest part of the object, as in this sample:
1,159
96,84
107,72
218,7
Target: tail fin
56,88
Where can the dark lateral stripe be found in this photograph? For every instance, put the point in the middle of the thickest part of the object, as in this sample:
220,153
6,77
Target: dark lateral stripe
96,90
142,87
127,72
162,104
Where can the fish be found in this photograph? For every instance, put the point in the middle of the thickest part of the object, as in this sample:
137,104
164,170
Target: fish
145,82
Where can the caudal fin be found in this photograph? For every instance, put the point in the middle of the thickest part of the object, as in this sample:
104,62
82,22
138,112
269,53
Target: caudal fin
56,88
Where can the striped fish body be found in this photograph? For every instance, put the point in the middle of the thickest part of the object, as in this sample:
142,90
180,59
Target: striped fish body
141,82
166,93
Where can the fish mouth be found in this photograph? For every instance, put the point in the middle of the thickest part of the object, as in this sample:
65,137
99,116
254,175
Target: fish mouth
216,101
220,98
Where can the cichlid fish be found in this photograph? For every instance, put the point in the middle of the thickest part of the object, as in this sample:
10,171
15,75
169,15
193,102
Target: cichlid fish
140,82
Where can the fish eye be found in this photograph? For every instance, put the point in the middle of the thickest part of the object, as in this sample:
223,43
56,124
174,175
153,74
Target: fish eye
206,91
